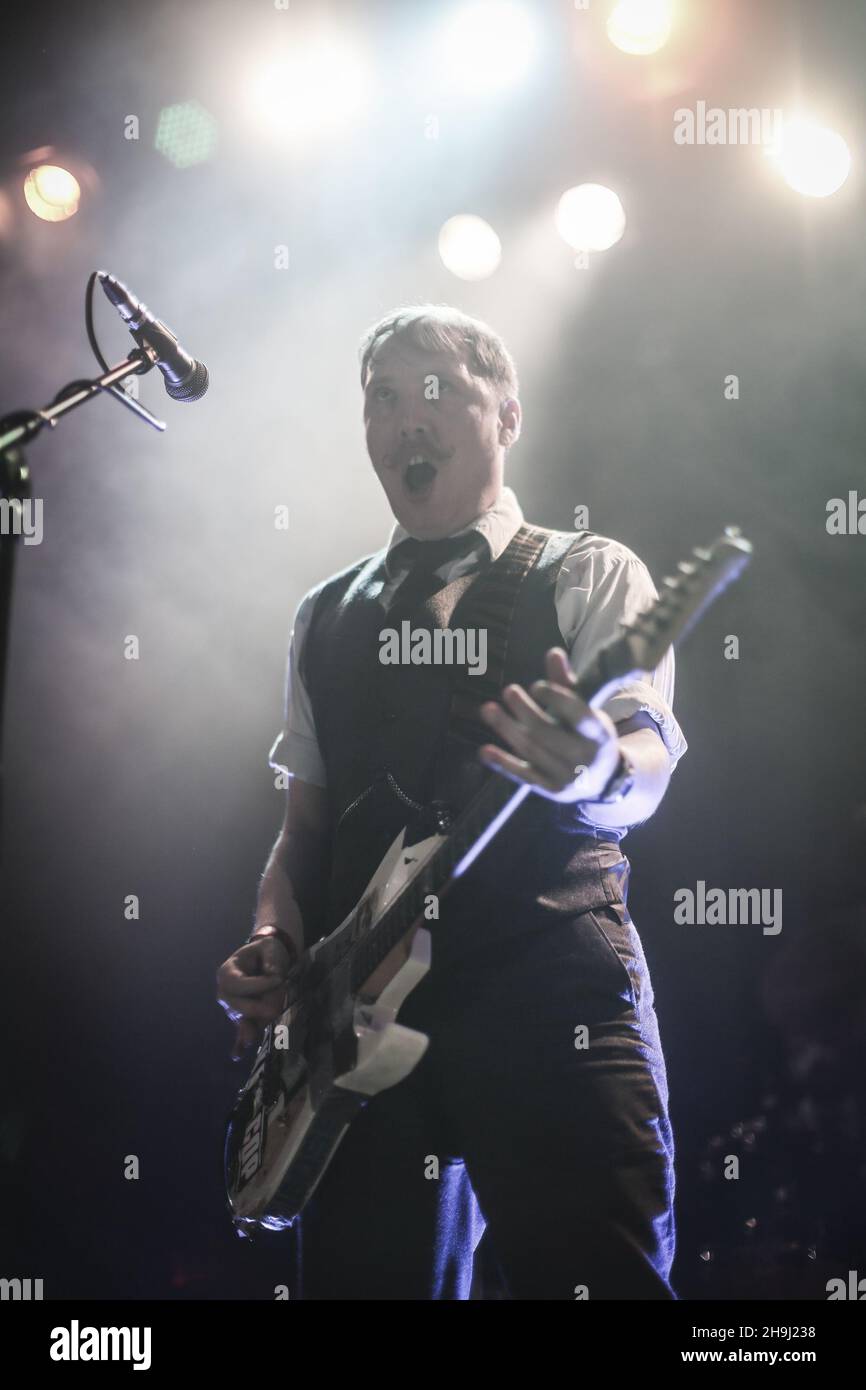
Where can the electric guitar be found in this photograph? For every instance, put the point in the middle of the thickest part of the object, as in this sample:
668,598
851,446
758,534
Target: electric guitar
337,1043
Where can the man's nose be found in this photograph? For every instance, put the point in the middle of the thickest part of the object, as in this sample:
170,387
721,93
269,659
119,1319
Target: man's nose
415,418
413,430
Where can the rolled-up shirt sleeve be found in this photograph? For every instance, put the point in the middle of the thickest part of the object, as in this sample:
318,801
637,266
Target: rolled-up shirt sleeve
295,750
601,585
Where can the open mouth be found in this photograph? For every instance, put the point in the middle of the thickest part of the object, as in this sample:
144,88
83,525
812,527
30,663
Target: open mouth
419,474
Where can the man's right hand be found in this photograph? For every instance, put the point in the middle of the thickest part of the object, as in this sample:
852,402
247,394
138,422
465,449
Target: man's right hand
251,988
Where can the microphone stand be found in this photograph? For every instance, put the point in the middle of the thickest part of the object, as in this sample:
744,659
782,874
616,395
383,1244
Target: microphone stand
17,430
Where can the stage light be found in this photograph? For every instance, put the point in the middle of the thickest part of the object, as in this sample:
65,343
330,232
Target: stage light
590,217
52,193
812,159
317,86
186,134
469,247
641,26
488,45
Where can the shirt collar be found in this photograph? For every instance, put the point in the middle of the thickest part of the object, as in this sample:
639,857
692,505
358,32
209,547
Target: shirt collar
497,526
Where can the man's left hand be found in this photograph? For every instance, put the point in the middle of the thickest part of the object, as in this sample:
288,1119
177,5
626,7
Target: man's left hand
561,747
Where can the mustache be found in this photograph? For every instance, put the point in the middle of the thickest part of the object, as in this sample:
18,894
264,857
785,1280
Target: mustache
400,458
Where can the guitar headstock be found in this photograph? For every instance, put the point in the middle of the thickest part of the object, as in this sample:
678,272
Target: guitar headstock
682,601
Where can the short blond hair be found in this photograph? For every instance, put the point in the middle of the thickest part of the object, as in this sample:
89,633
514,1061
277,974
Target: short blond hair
441,327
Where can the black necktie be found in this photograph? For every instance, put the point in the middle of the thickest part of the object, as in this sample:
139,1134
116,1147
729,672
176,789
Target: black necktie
423,559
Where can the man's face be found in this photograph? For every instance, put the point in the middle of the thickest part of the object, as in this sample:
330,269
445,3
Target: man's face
436,436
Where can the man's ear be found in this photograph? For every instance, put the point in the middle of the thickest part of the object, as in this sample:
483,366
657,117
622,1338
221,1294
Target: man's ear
510,417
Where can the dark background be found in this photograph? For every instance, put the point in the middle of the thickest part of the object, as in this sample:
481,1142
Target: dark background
150,777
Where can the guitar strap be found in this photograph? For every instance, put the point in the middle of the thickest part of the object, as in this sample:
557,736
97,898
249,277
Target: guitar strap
491,604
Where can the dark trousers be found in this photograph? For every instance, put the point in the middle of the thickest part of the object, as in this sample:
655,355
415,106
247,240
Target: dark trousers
539,1109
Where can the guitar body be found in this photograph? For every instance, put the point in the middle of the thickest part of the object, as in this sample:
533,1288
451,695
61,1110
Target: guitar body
338,1041
334,1047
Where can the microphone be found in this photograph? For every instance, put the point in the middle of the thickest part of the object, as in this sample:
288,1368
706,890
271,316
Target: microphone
185,378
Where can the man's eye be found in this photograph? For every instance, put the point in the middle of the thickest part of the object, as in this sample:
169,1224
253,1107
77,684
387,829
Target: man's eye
381,393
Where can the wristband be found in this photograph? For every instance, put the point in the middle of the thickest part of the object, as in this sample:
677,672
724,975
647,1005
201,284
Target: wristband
269,930
619,784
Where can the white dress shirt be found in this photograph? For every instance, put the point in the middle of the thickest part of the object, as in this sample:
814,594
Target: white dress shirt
600,585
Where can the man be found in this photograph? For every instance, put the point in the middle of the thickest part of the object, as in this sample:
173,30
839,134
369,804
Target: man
540,1106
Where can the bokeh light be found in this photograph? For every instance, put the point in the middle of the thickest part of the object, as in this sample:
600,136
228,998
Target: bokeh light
186,134
52,193
590,217
812,159
640,26
469,247
317,86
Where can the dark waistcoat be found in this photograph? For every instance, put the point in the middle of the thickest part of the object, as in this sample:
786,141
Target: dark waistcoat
396,737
